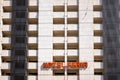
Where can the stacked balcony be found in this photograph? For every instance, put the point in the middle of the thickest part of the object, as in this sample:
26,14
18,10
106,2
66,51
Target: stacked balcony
32,40
98,40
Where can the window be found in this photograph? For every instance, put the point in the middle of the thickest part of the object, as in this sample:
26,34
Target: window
58,46
111,64
59,72
72,58
20,14
19,77
112,77
72,46
20,27
72,8
20,39
73,72
58,8
58,58
58,33
20,2
19,52
19,65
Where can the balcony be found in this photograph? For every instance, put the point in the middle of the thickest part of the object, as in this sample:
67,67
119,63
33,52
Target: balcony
97,2
98,27
72,8
62,27
58,14
5,77
58,27
33,5
30,15
62,40
62,52
73,52
97,7
29,77
98,45
31,33
72,77
98,20
7,53
98,65
58,40
58,21
58,52
31,65
72,39
33,18
98,77
72,26
98,52
98,32
31,40
72,33
98,71
98,58
62,14
33,2
31,46
98,14
58,33
72,20
98,39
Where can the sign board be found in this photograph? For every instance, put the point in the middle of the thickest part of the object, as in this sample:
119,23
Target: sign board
61,65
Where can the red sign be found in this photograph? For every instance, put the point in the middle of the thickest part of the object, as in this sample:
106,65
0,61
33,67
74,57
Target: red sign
61,65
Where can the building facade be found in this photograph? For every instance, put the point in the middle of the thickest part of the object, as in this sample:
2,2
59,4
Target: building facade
53,32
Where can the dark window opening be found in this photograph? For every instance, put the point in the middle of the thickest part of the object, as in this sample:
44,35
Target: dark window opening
112,77
19,65
20,2
20,14
19,77
20,27
112,64
71,73
4,73
58,72
20,39
19,52
33,74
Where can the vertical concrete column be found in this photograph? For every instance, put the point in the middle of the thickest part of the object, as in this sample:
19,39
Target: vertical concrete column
86,39
45,38
65,14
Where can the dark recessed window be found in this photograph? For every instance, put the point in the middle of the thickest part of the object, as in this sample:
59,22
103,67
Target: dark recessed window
20,39
19,52
19,77
19,65
20,14
58,72
20,27
20,2
112,77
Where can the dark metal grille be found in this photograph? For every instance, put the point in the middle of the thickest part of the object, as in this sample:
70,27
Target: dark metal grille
19,39
111,39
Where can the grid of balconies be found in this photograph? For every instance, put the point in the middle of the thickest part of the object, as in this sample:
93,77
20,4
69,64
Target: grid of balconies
98,40
58,34
32,39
